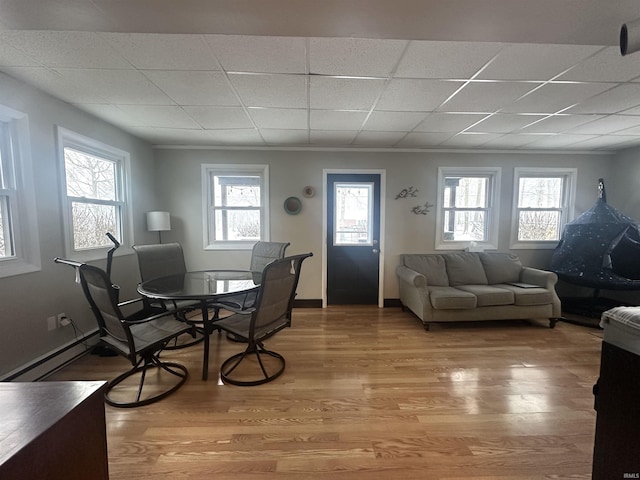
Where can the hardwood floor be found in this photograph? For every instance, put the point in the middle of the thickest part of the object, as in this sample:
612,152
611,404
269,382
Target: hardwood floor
368,394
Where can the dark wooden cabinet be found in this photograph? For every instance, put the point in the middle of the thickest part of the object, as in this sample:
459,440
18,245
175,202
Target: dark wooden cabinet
53,430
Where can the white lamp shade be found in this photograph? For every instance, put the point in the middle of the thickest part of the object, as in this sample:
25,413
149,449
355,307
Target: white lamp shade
158,221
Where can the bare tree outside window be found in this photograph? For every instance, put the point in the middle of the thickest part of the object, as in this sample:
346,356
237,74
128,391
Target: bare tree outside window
92,188
539,208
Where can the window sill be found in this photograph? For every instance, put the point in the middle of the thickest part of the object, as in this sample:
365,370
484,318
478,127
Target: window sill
17,266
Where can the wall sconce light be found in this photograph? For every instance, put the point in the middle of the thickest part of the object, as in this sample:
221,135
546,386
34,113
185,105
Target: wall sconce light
630,37
158,222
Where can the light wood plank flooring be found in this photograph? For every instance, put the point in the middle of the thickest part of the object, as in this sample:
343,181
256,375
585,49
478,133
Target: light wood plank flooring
368,394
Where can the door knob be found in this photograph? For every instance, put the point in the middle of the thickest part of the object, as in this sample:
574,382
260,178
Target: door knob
375,250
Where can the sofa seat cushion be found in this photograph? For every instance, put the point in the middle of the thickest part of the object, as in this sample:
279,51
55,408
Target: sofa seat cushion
464,268
449,298
529,296
489,295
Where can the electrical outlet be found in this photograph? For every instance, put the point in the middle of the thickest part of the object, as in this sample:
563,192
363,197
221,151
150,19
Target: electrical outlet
62,320
52,323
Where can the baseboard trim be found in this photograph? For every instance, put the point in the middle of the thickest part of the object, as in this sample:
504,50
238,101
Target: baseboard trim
317,303
47,364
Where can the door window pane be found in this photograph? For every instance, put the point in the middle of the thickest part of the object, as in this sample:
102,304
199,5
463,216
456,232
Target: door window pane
353,214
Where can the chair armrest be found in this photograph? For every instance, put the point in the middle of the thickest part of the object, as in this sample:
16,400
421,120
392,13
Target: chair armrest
130,302
411,276
535,276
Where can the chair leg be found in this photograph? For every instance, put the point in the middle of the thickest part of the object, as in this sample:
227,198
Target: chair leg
143,365
231,363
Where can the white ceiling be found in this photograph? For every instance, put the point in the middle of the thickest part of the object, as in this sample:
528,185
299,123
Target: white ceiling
470,74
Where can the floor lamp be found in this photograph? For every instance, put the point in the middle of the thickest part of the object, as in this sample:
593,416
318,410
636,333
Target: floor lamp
158,222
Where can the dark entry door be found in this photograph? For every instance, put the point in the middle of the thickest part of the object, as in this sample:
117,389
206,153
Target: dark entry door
353,238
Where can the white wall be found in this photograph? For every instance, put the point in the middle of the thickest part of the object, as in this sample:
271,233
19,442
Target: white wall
290,171
27,300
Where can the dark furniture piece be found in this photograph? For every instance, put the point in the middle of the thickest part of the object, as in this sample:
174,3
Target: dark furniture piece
270,313
53,431
206,287
140,337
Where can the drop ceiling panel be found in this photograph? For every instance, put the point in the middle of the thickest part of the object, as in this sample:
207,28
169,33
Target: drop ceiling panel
336,120
470,140
449,122
285,137
606,125
445,59
415,95
559,123
194,87
554,97
378,139
332,137
605,66
12,57
423,139
559,141
354,56
535,62
615,100
219,117
163,52
249,137
344,93
259,54
504,123
486,96
393,121
280,118
159,116
280,91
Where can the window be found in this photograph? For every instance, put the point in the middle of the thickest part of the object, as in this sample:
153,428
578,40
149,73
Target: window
94,195
235,205
19,247
353,214
467,207
543,198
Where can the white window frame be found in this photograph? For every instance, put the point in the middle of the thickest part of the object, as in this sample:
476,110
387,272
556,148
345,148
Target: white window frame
20,191
494,174
70,139
208,171
570,176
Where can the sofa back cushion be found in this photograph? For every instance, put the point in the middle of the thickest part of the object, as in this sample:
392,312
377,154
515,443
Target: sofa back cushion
465,268
501,267
431,266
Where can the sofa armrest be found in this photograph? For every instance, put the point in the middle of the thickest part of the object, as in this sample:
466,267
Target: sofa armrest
536,276
411,276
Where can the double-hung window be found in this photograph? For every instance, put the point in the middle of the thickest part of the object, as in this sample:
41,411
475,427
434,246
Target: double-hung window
235,205
94,195
467,207
19,247
543,201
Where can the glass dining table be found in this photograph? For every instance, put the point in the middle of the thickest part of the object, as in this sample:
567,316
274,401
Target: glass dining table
206,287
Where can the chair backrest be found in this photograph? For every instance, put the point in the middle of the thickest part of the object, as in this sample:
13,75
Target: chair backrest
160,260
264,253
275,297
103,299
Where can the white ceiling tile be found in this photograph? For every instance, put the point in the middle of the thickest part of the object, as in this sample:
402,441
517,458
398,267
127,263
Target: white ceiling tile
449,122
486,96
152,51
629,131
58,85
279,118
616,100
515,140
354,56
332,137
65,49
285,137
246,136
280,91
393,121
504,123
553,97
378,139
415,95
559,123
260,54
470,139
605,125
423,139
605,66
558,141
433,59
111,114
534,61
194,87
172,136
336,120
11,57
220,117
343,93
159,116
119,86
608,142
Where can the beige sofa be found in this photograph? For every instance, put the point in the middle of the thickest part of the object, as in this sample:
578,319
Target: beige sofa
469,286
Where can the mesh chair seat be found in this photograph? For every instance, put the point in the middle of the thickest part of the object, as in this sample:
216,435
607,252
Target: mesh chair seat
270,314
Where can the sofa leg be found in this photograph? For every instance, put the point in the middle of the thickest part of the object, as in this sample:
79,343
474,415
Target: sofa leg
426,326
552,322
